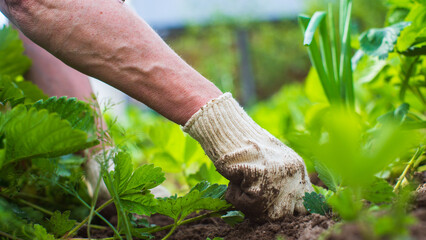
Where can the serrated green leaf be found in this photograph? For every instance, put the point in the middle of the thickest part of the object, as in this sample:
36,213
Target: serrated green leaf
180,207
122,170
144,177
19,92
59,223
233,217
316,203
78,113
379,191
12,60
328,177
32,133
210,190
379,42
142,204
40,233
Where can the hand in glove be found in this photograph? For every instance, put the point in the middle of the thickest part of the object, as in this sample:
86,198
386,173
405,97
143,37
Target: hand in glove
267,178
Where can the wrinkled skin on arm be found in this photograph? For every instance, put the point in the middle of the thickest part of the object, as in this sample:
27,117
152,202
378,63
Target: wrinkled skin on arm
107,40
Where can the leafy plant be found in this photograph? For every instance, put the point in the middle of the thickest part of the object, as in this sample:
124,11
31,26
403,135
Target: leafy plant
332,57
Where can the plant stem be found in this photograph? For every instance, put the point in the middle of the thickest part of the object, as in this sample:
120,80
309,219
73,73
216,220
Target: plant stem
87,219
171,231
416,155
35,207
9,236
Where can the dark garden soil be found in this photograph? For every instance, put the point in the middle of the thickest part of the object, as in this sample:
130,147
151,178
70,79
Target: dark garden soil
305,227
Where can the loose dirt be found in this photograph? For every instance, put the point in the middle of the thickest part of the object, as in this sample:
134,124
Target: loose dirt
295,227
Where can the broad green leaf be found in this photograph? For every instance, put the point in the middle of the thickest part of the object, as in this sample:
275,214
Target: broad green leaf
180,207
233,217
31,92
40,233
379,192
78,113
329,178
59,223
32,133
123,168
143,178
133,188
139,203
379,42
210,191
19,92
316,203
12,60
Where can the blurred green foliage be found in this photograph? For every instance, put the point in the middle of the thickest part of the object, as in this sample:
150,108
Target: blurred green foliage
277,54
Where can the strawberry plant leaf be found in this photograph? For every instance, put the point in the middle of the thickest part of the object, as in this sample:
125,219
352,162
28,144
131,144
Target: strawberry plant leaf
379,42
12,60
379,191
315,203
40,233
329,178
32,133
60,223
206,199
19,92
133,188
233,217
139,203
210,190
78,113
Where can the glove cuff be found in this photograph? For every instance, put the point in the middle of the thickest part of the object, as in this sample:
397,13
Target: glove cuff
222,127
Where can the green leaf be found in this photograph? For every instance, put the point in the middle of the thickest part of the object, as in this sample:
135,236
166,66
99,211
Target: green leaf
32,133
233,217
379,42
143,178
379,192
19,92
133,188
12,60
397,116
345,203
139,203
40,233
210,191
415,34
312,26
315,203
60,223
180,207
78,113
328,177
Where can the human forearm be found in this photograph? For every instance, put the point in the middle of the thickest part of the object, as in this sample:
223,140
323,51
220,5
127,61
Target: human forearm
105,39
53,76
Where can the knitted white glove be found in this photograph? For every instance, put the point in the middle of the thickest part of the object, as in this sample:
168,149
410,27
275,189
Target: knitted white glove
267,178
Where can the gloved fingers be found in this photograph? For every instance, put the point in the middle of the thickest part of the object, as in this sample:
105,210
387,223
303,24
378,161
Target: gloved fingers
251,205
300,208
